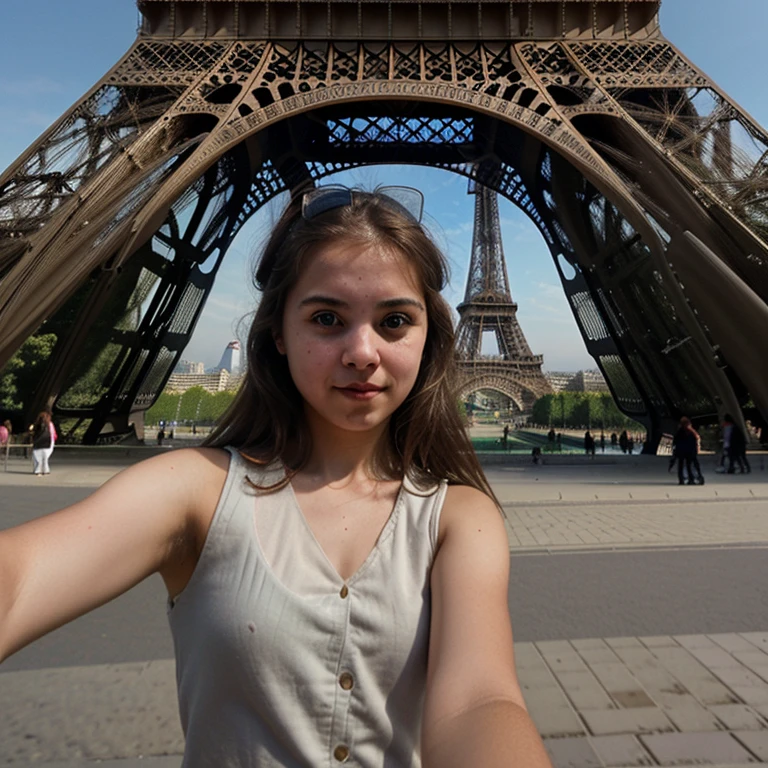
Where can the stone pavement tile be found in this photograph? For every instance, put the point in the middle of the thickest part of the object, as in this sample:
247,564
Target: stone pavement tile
695,677
90,712
572,753
621,684
597,654
623,750
554,721
759,639
715,658
614,721
761,709
588,643
738,717
536,679
696,749
584,691
755,660
751,694
695,641
732,642
561,658
747,685
658,641
526,655
623,642
690,717
755,741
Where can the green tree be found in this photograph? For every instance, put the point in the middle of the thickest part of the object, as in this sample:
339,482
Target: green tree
21,374
581,409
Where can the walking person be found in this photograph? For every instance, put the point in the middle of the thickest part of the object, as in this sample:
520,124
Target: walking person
43,441
333,540
737,451
623,441
685,447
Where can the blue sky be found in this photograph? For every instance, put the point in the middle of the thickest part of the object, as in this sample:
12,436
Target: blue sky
54,50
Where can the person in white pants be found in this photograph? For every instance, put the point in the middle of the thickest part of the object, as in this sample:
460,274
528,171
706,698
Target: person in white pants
43,439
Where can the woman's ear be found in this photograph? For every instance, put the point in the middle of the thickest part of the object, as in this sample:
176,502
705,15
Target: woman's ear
278,338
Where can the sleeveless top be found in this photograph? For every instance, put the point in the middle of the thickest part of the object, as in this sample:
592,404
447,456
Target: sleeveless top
279,661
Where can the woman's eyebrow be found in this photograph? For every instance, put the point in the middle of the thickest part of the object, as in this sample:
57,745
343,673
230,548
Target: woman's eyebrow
329,301
399,302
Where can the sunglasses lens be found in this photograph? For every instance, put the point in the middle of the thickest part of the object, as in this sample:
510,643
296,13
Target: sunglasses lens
324,199
407,197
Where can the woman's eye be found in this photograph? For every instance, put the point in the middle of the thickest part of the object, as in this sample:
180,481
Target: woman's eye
394,322
326,319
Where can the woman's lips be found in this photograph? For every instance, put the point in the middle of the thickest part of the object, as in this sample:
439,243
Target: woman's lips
355,393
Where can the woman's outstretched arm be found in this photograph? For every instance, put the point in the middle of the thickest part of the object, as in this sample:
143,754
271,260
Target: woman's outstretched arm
60,566
474,712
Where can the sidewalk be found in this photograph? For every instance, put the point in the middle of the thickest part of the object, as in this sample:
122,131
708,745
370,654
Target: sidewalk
598,702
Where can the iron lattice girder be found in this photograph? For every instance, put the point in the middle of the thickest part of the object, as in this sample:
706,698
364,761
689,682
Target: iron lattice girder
400,19
91,194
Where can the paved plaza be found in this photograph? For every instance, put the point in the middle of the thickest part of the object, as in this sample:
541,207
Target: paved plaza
674,699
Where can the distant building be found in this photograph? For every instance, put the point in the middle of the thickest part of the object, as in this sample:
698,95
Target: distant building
559,380
185,366
212,382
230,360
581,381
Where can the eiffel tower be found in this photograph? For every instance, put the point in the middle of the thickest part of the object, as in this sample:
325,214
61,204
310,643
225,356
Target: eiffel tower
488,308
648,183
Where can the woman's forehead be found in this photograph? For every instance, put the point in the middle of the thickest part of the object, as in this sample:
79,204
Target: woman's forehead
366,264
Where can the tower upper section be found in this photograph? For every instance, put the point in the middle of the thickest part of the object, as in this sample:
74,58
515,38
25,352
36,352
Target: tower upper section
487,280
401,19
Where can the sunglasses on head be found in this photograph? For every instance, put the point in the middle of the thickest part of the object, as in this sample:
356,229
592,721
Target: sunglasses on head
406,200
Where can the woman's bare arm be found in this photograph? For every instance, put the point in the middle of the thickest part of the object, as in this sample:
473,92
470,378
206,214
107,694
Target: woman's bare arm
474,712
60,566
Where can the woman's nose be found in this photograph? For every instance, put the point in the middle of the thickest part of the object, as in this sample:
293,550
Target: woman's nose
360,349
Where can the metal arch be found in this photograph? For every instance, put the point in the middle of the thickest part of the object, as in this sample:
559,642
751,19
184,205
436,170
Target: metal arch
182,103
498,383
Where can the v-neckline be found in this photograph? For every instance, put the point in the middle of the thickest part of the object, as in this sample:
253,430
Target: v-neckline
383,535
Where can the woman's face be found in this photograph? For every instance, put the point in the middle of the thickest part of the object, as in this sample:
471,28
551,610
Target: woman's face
354,328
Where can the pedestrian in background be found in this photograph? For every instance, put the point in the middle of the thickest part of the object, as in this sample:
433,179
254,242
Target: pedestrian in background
5,432
43,441
685,446
737,452
623,441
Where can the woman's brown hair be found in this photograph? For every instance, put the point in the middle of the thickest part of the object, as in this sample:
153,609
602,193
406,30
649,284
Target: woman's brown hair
426,439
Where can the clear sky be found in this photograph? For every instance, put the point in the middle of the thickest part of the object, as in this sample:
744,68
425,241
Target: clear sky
53,51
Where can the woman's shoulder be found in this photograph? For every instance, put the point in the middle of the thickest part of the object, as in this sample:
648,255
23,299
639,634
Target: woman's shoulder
200,472
466,507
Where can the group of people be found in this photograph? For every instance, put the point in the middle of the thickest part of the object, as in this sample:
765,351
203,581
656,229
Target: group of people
42,435
686,445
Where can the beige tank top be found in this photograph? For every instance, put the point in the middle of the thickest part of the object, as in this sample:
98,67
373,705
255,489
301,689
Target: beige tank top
280,662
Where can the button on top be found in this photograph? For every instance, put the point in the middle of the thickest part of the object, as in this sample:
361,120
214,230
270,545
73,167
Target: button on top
344,592
341,753
346,681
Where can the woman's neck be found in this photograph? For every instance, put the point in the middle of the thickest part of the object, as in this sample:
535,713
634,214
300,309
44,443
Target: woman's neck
339,455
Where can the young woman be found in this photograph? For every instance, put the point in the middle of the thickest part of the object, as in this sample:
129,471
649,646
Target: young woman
336,562
43,441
